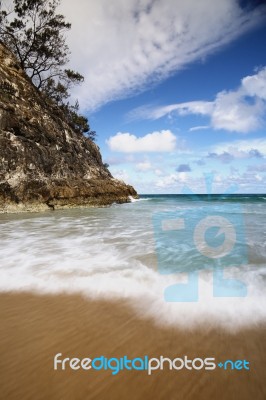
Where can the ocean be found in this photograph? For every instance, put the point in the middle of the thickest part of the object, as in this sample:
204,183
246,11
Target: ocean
121,253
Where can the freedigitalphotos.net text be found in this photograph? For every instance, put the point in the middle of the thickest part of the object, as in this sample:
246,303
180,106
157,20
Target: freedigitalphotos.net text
145,363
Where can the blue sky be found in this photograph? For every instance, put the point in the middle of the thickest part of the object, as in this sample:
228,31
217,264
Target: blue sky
175,89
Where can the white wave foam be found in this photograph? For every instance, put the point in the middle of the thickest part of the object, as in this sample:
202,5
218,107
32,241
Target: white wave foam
133,200
98,255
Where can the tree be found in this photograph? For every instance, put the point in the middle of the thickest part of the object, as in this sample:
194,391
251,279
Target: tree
78,122
34,32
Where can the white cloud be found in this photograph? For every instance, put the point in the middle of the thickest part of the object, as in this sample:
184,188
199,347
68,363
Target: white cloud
255,85
144,166
258,168
158,172
258,178
248,181
192,107
121,174
227,152
242,110
162,141
167,181
233,112
242,148
199,128
122,46
171,181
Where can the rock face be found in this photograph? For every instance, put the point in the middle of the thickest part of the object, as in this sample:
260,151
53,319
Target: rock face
43,162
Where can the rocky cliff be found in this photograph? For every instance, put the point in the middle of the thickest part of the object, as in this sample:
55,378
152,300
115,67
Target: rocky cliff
43,162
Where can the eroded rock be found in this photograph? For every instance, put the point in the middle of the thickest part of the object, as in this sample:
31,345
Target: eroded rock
43,162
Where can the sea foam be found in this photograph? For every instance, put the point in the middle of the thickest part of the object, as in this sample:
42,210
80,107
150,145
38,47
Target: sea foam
110,254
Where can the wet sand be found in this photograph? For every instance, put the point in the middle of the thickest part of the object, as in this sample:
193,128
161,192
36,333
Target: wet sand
35,328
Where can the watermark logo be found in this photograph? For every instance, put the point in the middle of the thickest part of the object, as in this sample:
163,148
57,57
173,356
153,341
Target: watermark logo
146,364
206,235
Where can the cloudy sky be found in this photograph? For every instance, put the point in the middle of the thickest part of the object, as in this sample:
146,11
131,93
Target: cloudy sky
175,89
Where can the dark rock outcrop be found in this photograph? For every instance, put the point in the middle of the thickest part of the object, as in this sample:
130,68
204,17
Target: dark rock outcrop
43,162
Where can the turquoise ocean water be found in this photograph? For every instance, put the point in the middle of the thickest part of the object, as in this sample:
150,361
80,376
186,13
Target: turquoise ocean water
116,253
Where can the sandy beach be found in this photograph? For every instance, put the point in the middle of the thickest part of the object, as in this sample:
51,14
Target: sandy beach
35,328
132,200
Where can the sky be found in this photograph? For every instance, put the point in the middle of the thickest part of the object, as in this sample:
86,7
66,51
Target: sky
175,89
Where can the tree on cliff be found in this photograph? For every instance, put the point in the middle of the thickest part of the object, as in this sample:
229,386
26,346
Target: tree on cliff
33,31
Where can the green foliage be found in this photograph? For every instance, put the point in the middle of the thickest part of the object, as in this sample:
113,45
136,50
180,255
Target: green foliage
77,121
34,32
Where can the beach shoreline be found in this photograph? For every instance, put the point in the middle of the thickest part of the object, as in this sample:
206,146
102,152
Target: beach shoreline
34,328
